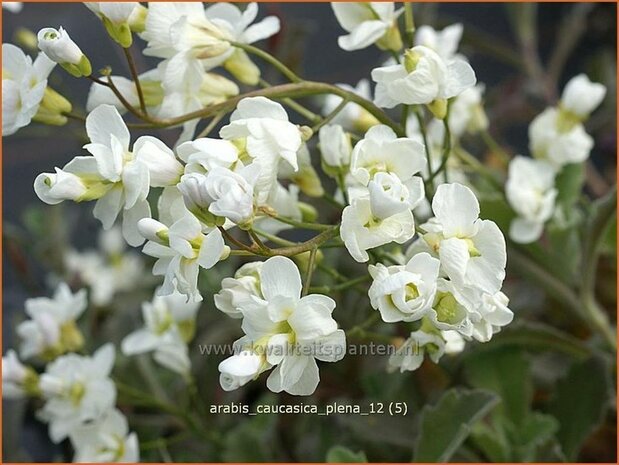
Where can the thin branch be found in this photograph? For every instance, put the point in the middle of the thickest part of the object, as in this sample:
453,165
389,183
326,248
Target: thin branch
134,75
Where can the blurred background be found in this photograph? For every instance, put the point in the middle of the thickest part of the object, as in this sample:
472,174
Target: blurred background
566,39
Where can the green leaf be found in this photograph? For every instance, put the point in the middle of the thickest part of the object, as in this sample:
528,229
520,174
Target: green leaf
504,371
445,425
341,454
580,403
537,431
535,336
492,442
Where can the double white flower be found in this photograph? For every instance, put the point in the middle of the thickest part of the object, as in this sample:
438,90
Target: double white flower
24,84
285,331
471,250
423,77
531,193
222,193
444,42
238,291
169,326
77,390
367,24
18,380
119,179
404,292
384,192
52,330
557,135
262,131
106,440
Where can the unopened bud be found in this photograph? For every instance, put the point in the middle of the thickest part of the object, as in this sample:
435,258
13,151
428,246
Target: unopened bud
59,47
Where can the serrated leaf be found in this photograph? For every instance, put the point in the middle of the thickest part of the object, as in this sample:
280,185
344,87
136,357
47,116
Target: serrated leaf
537,430
580,403
445,425
341,454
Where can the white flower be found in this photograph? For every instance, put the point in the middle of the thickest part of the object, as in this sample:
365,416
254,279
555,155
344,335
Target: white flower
202,155
335,146
390,196
471,250
115,12
410,355
454,309
77,390
169,326
107,440
560,145
444,42
466,113
581,96
13,7
238,370
59,47
107,271
238,291
362,230
18,380
288,331
404,292
120,19
119,179
352,116
262,128
531,193
181,251
238,24
224,193
423,77
51,330
382,151
23,86
368,23
494,314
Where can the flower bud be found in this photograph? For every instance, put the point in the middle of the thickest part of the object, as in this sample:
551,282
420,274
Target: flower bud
18,379
438,108
335,147
153,230
52,108
242,68
137,18
116,17
239,370
59,47
27,39
53,188
392,40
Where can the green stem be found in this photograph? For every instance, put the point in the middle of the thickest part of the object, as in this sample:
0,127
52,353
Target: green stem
446,150
310,271
327,119
282,68
409,24
341,287
604,215
301,224
134,75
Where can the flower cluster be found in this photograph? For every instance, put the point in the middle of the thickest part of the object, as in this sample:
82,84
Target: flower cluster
398,198
78,394
557,138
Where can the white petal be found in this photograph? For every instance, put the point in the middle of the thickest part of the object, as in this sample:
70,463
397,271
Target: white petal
312,317
108,207
524,231
105,121
131,219
456,208
280,277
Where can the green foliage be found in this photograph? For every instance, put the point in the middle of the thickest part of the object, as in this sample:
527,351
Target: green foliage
580,403
341,454
445,425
